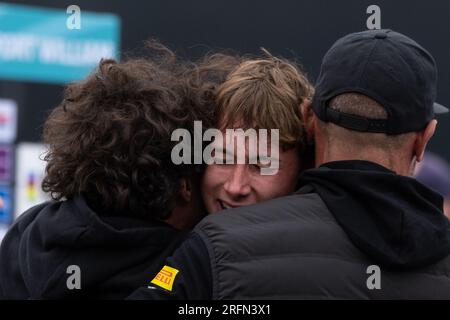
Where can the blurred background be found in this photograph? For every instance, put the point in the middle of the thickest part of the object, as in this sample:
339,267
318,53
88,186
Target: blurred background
46,44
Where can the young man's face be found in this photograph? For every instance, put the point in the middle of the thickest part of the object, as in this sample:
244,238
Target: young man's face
233,185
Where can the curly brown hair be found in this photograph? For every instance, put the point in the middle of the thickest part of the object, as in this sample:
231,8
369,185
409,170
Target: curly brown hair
110,138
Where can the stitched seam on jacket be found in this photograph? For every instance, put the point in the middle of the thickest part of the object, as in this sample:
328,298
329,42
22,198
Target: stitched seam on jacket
308,255
212,260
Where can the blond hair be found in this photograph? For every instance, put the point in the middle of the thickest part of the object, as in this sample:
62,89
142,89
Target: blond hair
265,93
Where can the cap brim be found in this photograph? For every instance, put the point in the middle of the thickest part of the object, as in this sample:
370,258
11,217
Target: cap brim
439,108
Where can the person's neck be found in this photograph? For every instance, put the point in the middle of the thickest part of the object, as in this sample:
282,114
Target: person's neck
178,218
396,163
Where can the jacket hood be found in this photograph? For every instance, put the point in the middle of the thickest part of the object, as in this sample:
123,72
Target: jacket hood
394,219
48,238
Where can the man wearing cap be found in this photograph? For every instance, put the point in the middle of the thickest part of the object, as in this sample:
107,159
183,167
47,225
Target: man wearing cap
371,119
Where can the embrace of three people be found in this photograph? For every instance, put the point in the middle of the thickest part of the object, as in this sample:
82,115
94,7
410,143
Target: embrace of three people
140,226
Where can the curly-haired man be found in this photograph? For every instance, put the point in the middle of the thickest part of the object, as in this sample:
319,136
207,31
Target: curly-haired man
121,204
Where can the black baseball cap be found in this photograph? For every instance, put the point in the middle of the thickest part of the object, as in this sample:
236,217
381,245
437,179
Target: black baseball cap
386,66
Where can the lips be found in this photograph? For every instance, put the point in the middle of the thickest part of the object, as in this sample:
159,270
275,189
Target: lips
225,206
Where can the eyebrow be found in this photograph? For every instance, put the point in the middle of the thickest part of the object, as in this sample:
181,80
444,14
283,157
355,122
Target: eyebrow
270,157
227,152
224,151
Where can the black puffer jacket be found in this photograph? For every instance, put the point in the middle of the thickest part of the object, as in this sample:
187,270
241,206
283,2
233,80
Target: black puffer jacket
319,243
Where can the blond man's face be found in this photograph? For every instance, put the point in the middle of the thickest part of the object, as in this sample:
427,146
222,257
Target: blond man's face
233,185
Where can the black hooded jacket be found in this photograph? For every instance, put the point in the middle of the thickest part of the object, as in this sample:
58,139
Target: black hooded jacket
115,255
319,242
394,219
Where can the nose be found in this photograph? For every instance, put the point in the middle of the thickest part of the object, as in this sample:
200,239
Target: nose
237,184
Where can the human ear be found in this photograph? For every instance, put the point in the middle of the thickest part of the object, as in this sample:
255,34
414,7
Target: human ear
422,139
186,190
307,114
